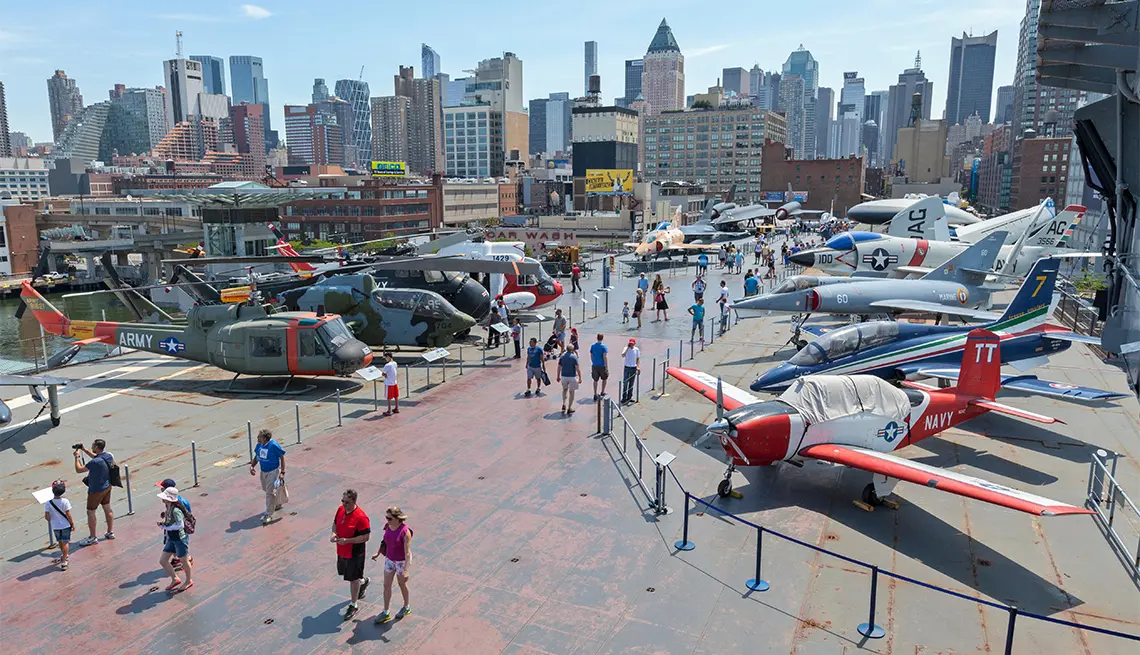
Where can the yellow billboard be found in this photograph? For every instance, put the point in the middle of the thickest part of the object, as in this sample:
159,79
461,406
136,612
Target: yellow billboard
609,181
389,169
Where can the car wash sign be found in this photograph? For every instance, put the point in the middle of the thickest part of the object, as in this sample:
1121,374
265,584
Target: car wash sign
534,238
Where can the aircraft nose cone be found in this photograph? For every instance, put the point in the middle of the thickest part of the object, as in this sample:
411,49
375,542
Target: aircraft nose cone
772,379
806,258
352,356
557,288
461,322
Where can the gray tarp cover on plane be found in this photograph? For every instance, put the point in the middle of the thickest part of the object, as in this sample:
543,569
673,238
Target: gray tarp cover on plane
822,397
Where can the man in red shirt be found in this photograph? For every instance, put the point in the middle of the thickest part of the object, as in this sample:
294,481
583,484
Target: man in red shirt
575,277
350,531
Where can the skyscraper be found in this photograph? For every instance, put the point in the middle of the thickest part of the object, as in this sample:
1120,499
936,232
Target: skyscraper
852,98
390,128
792,90
83,136
736,80
247,80
183,80
5,143
422,120
313,137
213,73
1031,100
356,93
801,63
558,122
591,61
633,72
538,125
136,121
1004,109
971,80
756,78
825,102
663,78
64,100
249,136
498,82
911,81
320,90
429,63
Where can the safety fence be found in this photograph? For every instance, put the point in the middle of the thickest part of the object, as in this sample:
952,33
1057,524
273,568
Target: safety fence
610,415
1075,312
1115,511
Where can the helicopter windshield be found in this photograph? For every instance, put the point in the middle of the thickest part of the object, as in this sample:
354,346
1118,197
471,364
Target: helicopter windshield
335,333
545,282
798,283
421,303
846,341
434,277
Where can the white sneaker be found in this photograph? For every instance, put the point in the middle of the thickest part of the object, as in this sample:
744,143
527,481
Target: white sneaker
88,541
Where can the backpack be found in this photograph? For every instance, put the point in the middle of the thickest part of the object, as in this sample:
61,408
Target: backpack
189,523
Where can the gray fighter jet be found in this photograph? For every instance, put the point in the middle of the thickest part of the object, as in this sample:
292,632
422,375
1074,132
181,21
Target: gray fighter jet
956,288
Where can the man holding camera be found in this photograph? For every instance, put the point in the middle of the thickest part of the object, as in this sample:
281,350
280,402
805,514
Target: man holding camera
98,481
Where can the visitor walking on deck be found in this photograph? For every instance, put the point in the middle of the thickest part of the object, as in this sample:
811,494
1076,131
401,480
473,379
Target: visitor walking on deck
599,365
350,531
631,361
570,375
396,547
99,473
639,306
175,524
535,367
560,330
660,303
168,483
575,279
270,456
57,512
391,385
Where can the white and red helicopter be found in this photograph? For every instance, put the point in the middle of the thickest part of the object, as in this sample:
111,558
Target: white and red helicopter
860,420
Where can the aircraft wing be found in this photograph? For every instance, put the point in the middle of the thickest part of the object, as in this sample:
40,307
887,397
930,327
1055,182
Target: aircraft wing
1035,385
37,380
459,264
914,270
943,480
1073,336
935,308
705,247
705,384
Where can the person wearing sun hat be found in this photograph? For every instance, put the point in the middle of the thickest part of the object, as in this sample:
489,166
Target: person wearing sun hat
173,524
631,361
396,547
175,562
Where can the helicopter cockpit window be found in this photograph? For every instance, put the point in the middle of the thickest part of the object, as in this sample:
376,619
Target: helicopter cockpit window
399,299
266,346
434,277
528,280
335,333
433,306
309,344
402,273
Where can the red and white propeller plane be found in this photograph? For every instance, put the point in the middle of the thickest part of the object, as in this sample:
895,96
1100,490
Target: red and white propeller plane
859,420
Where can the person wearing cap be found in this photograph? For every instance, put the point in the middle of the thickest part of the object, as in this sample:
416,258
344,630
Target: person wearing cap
168,483
350,531
271,456
631,360
396,547
173,525
57,512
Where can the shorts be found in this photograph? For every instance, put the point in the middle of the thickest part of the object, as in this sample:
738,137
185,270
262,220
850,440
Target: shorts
392,566
533,373
699,325
698,295
177,546
599,373
62,535
393,391
350,568
94,500
561,336
569,384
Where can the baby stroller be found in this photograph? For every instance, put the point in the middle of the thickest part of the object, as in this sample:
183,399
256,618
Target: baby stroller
550,346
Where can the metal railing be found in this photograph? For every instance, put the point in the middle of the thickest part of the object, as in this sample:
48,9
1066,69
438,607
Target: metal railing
1104,497
1074,312
609,415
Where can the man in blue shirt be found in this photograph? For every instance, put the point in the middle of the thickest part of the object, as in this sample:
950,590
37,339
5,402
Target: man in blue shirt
98,470
702,264
535,367
570,375
751,285
698,311
643,283
599,366
271,457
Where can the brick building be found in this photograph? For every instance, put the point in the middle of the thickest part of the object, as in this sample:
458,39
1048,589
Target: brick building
509,199
1040,169
823,180
372,210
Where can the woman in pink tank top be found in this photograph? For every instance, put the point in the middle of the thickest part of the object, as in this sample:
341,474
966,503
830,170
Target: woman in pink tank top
396,547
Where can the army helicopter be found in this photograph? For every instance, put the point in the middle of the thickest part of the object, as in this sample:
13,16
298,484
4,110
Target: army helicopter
383,316
244,339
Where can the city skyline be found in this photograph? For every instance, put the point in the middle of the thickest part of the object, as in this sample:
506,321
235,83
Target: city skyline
885,47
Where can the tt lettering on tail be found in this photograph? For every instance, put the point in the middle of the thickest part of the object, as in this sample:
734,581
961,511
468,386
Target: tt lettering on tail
988,348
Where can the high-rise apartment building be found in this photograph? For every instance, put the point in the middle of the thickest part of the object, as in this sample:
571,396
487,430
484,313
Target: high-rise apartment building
183,80
498,82
591,68
756,79
423,118
663,76
246,122
718,147
136,121
355,92
82,138
248,83
64,101
852,98
320,90
801,63
792,90
390,128
474,143
313,136
1004,109
550,123
429,63
341,110
824,119
633,75
5,140
1032,101
736,81
213,74
971,80
897,115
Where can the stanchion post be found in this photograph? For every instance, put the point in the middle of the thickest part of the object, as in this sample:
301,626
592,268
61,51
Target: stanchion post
375,397
1009,630
461,359
869,629
297,415
338,415
249,438
684,543
408,378
653,376
637,388
194,460
484,351
664,374
127,484
680,352
757,583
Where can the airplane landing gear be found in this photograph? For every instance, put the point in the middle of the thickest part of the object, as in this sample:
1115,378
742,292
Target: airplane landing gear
870,497
724,489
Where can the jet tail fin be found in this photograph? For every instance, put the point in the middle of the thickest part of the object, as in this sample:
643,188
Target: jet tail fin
968,266
925,219
286,249
1030,306
52,320
981,364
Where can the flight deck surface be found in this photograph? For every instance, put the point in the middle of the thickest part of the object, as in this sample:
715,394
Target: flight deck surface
528,535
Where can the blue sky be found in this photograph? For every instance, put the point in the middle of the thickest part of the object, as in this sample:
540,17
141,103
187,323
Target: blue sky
100,42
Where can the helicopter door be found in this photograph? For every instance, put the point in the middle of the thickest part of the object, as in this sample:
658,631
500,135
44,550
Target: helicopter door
307,352
266,352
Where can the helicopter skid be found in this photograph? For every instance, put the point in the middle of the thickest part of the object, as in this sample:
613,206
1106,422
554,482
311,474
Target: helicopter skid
285,390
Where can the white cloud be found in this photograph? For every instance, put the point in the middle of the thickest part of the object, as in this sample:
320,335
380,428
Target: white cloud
707,50
255,12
